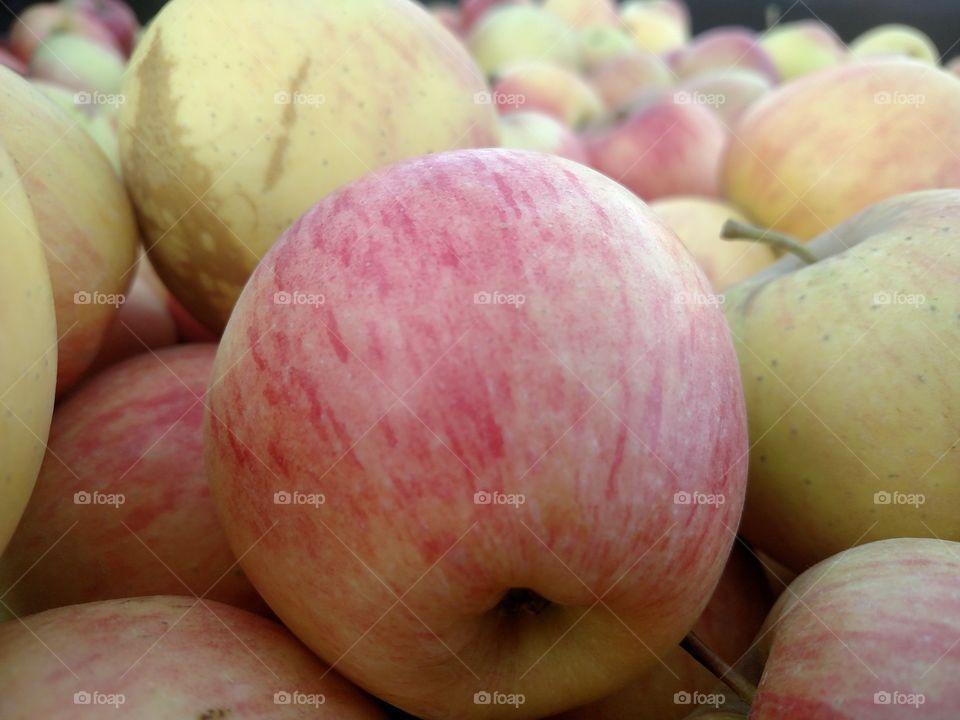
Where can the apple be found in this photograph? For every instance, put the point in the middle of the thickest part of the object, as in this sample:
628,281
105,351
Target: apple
79,64
8,59
622,78
727,92
802,47
92,112
897,40
28,363
86,223
449,16
522,33
953,66
536,131
547,527
549,89
725,48
166,657
697,222
277,136
600,43
585,13
657,26
728,625
853,395
473,10
818,150
144,322
886,613
40,21
663,149
115,15
124,485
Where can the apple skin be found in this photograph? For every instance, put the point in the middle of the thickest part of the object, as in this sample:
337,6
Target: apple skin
600,43
697,222
95,119
8,59
165,538
449,16
379,105
725,48
116,15
513,34
40,21
897,40
542,133
953,66
880,399
622,78
728,92
550,89
819,149
473,10
663,149
79,64
170,657
83,214
728,625
887,613
28,363
801,47
143,323
584,13
399,257
657,26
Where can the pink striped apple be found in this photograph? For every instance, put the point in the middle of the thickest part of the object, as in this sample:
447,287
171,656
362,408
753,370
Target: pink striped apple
471,442
622,78
116,15
667,148
888,614
40,21
725,48
123,485
166,657
550,89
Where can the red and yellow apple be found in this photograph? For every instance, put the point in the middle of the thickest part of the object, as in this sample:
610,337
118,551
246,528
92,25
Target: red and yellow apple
124,486
445,469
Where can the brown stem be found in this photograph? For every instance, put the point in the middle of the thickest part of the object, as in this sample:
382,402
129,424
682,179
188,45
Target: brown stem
736,230
719,667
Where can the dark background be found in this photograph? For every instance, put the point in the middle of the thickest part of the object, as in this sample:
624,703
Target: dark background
940,19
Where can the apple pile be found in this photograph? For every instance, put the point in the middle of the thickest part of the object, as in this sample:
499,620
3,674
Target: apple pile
505,359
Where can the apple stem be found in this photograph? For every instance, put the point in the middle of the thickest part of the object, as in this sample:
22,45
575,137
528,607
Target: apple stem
736,230
725,672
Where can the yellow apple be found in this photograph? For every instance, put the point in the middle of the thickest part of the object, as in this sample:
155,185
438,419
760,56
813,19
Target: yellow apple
900,40
28,363
240,115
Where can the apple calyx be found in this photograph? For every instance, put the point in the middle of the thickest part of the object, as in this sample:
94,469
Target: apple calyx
737,230
719,667
517,601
